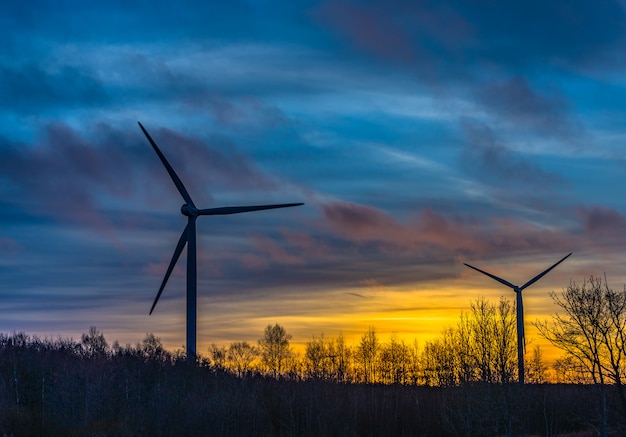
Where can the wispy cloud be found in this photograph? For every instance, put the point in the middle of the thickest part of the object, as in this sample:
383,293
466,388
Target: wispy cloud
600,221
489,159
514,101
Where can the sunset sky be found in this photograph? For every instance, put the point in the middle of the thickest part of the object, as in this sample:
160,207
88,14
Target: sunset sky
420,135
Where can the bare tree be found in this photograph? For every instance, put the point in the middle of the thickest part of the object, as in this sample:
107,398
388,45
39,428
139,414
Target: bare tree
439,360
367,354
577,332
536,368
466,359
94,343
591,331
151,348
413,363
240,356
275,348
394,361
217,356
319,358
483,328
482,347
343,359
504,341
568,370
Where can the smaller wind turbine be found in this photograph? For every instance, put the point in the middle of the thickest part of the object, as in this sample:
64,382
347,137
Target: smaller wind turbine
521,339
188,238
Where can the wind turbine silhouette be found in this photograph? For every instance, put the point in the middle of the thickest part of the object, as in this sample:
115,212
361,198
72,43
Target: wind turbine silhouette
521,339
188,237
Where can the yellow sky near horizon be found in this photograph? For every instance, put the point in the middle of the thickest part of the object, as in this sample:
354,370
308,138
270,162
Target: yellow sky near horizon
419,314
414,312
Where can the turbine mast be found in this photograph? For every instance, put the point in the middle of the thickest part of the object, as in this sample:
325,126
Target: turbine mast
521,339
192,289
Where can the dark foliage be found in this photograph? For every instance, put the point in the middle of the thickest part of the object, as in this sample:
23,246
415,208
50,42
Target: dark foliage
67,389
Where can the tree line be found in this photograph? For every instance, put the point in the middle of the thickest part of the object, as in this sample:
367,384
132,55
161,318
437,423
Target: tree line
88,388
460,383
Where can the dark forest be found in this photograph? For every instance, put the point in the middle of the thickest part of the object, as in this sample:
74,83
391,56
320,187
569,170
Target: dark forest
62,388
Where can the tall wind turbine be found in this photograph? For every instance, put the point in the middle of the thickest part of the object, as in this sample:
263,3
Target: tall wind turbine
188,237
521,339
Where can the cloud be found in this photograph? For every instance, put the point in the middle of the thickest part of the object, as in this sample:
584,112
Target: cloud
367,28
254,262
124,21
357,295
489,159
276,253
32,89
431,233
601,221
536,31
359,222
76,177
419,34
311,246
514,101
218,162
501,33
372,283
236,112
9,245
488,52
55,180
159,269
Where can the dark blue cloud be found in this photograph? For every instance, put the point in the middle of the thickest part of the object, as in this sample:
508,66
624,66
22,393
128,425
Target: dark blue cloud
508,56
489,159
476,33
515,100
116,20
603,222
72,176
30,89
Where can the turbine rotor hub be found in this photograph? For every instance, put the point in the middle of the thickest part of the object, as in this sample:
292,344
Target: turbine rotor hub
189,211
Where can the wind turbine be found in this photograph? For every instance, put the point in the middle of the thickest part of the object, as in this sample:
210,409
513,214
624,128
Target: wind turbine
188,237
521,339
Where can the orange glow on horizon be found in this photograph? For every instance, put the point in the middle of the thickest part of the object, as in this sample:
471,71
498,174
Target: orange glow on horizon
389,311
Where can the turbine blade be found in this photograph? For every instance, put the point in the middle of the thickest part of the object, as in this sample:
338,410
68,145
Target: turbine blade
542,274
179,249
500,280
238,209
179,184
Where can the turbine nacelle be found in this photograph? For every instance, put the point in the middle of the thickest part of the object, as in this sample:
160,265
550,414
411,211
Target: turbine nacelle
189,210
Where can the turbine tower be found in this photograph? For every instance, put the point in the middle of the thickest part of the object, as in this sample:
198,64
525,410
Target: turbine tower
521,339
188,237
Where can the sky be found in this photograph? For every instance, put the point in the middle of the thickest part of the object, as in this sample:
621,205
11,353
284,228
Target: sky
420,135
